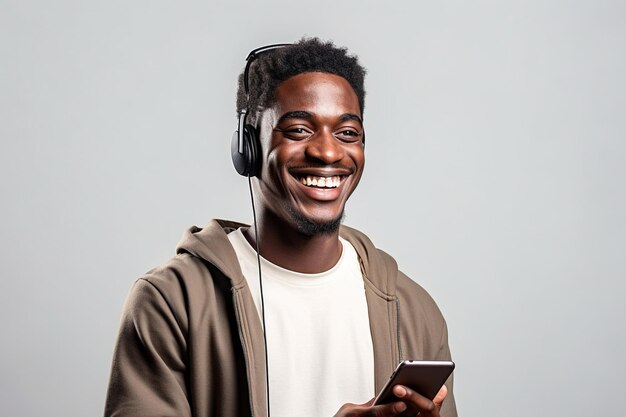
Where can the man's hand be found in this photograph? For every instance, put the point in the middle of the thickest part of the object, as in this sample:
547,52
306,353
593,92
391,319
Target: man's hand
409,404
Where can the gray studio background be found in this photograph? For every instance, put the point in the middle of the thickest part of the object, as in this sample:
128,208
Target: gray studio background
495,175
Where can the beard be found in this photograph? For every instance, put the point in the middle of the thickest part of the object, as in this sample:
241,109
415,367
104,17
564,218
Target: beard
310,228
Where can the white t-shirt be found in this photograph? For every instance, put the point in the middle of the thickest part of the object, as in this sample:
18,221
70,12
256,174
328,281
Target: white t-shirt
318,333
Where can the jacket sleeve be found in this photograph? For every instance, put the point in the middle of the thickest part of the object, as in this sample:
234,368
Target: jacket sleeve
148,370
448,409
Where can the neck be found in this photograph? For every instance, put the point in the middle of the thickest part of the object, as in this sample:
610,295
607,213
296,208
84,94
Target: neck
285,246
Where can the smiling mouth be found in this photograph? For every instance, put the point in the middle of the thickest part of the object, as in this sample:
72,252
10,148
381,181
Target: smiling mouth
321,182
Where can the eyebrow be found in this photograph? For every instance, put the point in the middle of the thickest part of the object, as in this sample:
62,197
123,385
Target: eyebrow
308,116
350,116
295,115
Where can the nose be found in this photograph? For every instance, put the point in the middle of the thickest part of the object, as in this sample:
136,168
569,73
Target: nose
324,147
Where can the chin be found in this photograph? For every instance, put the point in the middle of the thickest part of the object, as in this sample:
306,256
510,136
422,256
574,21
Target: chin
311,227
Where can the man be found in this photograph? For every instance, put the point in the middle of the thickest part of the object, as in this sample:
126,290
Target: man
337,313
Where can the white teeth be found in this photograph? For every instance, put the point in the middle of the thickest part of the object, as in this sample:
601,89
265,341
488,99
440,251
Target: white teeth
321,182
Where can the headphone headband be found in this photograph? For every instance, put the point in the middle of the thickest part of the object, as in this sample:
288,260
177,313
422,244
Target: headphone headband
252,56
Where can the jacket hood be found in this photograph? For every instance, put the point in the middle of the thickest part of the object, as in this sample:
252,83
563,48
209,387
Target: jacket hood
211,244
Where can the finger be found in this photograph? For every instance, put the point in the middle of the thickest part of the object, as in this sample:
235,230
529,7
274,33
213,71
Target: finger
365,410
441,395
387,410
413,399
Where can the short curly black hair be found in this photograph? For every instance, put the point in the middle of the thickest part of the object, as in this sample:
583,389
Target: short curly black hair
273,67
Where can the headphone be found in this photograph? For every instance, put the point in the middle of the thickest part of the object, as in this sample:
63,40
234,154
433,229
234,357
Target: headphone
245,147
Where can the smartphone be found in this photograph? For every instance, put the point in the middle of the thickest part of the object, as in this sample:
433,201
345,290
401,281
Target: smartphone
424,377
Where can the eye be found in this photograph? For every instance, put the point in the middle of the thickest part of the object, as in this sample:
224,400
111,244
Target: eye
348,135
296,132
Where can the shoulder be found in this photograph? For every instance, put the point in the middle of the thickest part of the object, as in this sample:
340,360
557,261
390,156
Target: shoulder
183,287
417,300
382,270
181,271
203,270
165,291
203,256
379,263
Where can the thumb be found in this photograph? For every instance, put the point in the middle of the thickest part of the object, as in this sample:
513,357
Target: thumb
441,395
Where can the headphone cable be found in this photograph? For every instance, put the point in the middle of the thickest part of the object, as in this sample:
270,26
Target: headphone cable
258,259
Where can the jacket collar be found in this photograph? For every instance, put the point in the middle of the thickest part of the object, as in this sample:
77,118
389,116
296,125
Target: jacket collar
211,244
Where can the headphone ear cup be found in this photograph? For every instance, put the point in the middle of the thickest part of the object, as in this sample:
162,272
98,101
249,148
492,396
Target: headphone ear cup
247,163
239,161
252,148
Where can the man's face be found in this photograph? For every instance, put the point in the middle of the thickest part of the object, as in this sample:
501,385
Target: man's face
312,150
